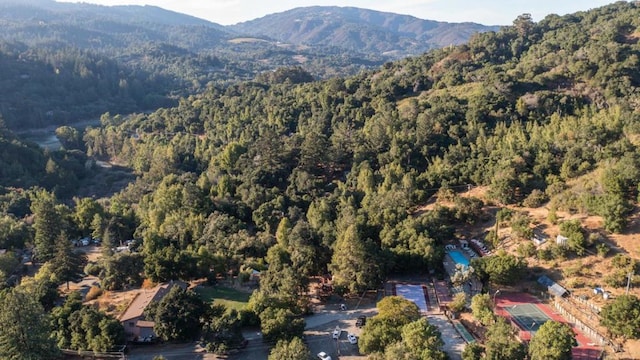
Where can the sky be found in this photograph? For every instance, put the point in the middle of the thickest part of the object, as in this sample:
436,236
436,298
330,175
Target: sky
488,12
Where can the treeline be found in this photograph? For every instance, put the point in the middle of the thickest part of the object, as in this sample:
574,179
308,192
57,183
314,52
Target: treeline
59,85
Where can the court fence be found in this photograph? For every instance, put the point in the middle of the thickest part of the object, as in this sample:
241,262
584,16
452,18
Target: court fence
593,334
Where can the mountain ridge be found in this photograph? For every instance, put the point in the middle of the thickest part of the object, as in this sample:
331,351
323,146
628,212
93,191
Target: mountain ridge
345,27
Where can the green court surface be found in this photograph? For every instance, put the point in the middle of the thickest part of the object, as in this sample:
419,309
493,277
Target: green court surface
528,316
466,335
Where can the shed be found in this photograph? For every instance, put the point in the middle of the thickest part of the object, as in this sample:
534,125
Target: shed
552,286
562,240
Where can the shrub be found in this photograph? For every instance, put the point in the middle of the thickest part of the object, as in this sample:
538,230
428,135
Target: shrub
446,194
526,249
535,199
93,269
552,217
93,293
459,302
602,250
545,254
616,279
558,252
148,284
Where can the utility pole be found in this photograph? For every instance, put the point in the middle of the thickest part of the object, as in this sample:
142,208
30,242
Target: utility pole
629,280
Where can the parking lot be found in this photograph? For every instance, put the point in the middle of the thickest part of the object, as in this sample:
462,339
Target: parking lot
318,334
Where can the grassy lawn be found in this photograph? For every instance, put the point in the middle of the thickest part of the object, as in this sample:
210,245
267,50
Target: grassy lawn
231,298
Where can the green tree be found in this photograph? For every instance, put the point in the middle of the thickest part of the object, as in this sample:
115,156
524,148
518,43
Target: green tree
41,288
70,138
552,341
501,269
385,328
378,333
47,224
8,264
622,316
223,331
472,351
459,302
25,333
501,342
398,310
423,340
572,229
87,328
280,324
67,264
85,211
355,265
61,328
293,349
482,308
178,316
122,270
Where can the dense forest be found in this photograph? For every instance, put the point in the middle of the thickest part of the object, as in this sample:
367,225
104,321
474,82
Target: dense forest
295,177
64,62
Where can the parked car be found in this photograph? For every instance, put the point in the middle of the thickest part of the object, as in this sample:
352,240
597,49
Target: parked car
336,333
85,241
323,356
352,338
362,320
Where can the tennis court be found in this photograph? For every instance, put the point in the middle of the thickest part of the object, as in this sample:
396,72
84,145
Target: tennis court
413,293
528,316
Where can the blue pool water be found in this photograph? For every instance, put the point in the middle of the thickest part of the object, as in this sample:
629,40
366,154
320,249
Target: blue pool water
458,257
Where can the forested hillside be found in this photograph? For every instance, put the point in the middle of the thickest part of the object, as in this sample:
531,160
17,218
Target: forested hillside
528,109
296,178
65,62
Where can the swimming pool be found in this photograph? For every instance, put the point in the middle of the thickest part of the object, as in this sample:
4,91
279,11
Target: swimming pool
458,257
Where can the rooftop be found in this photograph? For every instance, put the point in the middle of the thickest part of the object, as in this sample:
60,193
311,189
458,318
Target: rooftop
145,297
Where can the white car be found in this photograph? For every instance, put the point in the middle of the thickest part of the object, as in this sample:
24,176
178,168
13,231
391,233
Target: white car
352,338
336,333
323,356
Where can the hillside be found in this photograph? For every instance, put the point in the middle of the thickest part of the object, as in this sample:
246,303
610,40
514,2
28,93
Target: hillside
360,30
146,57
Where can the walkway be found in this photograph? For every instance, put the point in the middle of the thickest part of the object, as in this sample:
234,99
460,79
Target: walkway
453,342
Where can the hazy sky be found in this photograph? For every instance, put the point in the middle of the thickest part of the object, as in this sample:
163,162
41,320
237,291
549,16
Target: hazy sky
488,12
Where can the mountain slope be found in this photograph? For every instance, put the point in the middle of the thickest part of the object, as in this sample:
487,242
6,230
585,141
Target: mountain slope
360,29
87,25
155,56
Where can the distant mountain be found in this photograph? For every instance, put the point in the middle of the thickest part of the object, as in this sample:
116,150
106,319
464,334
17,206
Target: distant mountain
360,30
66,61
100,27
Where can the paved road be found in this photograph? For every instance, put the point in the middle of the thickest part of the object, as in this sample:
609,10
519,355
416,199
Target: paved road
325,315
171,352
318,334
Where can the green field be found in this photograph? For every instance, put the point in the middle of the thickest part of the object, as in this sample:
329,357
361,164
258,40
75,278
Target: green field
231,298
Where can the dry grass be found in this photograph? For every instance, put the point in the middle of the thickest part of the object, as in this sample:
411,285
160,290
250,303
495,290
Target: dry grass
246,40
